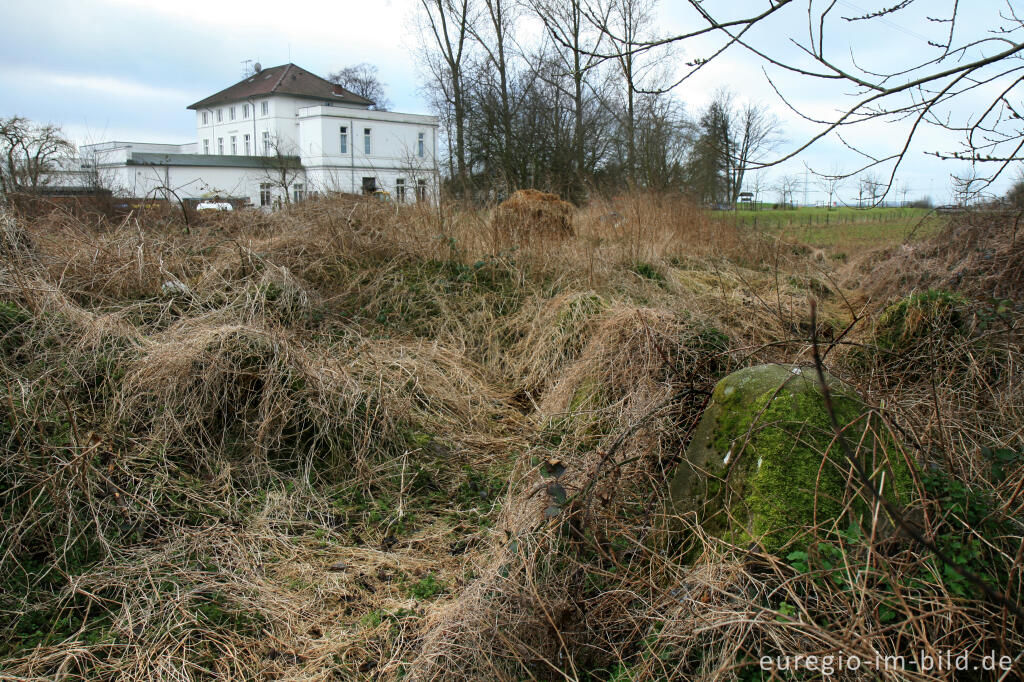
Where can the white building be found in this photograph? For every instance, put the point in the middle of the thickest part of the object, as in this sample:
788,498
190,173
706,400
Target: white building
280,131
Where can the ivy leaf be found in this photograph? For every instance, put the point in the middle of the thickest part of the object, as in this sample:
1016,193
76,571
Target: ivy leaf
799,560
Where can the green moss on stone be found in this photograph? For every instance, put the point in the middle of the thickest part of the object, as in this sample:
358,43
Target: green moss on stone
768,436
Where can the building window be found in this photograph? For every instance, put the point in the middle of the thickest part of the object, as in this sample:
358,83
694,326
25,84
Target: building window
266,143
231,113
234,146
421,190
366,141
344,139
420,145
400,190
245,111
298,192
206,146
369,185
220,146
245,138
265,108
264,194
206,118
220,115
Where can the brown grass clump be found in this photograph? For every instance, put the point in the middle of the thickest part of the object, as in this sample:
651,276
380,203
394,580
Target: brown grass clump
610,427
529,213
980,252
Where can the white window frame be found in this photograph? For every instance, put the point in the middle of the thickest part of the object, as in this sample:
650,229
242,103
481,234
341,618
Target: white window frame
220,115
421,142
343,136
367,143
298,192
220,146
266,197
400,190
231,113
265,107
206,146
266,143
245,111
245,142
206,118
234,145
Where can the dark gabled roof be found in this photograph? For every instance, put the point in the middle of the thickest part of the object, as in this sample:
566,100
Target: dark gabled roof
286,79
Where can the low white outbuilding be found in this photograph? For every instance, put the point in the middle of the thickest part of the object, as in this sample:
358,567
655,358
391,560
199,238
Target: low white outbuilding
278,136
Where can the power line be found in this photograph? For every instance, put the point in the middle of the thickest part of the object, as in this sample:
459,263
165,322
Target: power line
885,20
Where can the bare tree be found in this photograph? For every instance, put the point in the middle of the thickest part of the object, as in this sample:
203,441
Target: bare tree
547,113
976,63
31,155
630,23
755,184
447,26
830,183
571,29
493,32
362,80
662,139
281,167
757,132
786,186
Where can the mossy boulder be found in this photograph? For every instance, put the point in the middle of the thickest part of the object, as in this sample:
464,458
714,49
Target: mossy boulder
764,464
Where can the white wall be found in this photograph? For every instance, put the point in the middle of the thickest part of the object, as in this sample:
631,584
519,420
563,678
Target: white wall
193,182
394,149
280,121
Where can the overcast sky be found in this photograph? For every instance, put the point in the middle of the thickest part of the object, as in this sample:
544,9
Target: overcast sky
126,69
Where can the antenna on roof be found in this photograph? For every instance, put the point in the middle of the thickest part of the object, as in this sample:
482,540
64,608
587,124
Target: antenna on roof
245,67
257,67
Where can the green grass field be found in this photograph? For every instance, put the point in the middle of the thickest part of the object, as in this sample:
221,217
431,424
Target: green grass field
841,227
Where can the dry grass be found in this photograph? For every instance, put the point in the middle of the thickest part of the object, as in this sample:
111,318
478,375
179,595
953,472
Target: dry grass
530,214
355,441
